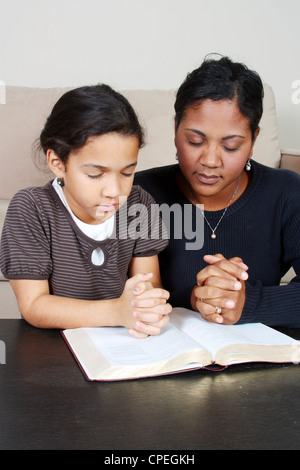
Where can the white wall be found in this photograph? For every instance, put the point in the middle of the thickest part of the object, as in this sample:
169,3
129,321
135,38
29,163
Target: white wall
151,44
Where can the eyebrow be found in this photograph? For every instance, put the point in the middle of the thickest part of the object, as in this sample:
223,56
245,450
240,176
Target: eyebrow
102,167
224,138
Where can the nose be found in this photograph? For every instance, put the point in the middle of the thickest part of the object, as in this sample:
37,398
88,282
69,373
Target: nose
112,187
210,155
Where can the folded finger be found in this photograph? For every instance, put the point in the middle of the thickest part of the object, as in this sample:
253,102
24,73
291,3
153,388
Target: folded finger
232,268
224,283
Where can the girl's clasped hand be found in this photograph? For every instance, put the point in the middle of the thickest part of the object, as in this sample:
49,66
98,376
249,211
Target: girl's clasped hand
146,307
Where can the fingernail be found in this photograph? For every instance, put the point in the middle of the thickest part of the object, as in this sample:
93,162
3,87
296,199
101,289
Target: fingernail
229,304
244,275
237,285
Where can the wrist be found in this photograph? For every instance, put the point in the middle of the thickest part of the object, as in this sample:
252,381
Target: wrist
194,299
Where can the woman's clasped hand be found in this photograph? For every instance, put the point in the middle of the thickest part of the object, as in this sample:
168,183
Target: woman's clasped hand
220,291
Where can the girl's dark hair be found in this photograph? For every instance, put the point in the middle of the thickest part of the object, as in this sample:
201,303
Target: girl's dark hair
86,112
223,79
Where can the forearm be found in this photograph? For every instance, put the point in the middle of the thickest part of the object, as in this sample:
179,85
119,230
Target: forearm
272,305
131,310
50,311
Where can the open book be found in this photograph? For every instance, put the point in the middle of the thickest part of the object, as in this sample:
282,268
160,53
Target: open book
188,342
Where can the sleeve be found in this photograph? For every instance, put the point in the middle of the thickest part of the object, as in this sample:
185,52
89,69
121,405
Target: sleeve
147,226
280,305
25,248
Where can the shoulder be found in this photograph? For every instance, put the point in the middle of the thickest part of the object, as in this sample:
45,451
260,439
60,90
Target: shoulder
160,182
277,187
276,175
32,200
157,174
32,194
139,195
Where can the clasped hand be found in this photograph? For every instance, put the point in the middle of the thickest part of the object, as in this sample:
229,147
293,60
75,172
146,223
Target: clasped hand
146,310
220,292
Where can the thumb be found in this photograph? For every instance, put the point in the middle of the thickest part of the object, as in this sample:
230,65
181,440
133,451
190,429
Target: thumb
212,259
136,282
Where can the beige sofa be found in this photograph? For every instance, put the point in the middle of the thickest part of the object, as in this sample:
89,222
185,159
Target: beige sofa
26,110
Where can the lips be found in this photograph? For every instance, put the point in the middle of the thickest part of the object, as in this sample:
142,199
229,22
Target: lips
207,179
107,208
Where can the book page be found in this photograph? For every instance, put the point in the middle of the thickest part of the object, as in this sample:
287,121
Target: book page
120,348
214,337
187,342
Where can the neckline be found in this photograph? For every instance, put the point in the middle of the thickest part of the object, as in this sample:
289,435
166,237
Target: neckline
72,222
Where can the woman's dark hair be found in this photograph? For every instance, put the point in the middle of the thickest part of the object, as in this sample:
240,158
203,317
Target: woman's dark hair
223,79
86,112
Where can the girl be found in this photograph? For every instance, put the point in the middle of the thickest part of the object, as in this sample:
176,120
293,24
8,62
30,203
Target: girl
65,247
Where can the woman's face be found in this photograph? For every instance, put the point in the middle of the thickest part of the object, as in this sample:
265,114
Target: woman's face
213,142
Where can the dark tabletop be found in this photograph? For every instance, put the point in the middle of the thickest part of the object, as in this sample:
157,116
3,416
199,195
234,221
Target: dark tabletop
46,403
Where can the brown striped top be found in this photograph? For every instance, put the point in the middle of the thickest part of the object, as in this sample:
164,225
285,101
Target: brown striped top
40,240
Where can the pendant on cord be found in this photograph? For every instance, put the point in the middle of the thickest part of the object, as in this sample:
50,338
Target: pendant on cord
213,236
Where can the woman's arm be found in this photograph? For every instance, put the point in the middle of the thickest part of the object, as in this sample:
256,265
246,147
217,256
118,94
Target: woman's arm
272,305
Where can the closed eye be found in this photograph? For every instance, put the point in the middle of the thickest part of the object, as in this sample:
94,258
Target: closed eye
196,144
95,176
230,149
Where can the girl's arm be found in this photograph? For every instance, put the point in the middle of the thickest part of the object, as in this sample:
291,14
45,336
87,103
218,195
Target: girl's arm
43,310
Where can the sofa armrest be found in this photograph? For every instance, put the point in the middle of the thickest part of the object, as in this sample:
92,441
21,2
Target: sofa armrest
290,159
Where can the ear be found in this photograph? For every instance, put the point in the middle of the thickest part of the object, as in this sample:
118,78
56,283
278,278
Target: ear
256,134
175,131
55,164
254,139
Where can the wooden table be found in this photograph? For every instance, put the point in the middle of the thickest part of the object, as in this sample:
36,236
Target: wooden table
46,403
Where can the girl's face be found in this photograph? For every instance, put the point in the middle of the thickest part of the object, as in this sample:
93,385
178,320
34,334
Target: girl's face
98,177
213,143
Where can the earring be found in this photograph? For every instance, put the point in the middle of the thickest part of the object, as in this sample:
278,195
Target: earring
248,165
61,182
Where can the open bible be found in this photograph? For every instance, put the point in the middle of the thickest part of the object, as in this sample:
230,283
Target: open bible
188,342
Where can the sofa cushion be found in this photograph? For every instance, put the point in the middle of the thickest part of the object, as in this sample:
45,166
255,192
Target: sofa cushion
267,148
26,110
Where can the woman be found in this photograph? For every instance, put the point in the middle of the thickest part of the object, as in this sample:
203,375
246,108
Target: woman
250,213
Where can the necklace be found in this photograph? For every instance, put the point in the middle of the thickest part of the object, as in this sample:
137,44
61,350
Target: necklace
213,230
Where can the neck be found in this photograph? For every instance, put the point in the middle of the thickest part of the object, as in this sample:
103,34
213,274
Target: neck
217,201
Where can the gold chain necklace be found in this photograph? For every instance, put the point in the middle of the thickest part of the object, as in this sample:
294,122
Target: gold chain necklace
213,235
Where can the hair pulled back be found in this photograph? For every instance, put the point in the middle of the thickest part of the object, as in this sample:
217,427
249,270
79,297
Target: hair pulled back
223,79
86,112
